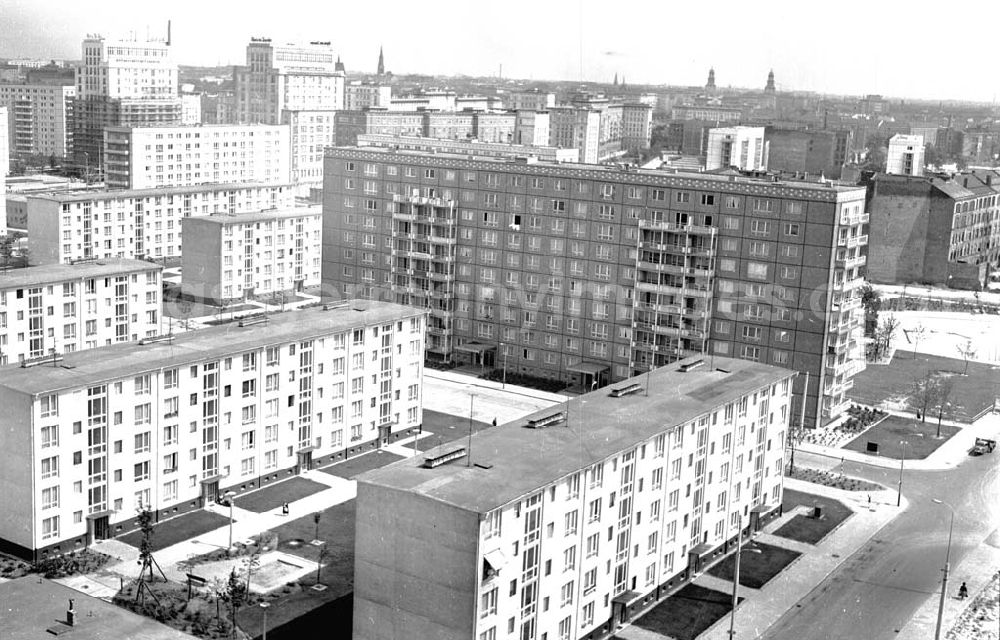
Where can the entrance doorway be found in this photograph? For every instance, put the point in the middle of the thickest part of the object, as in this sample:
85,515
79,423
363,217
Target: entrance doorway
305,461
210,492
102,528
383,435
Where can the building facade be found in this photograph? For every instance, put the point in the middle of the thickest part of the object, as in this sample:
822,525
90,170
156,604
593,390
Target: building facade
741,147
65,308
176,156
570,530
470,147
637,123
484,126
905,156
589,273
39,118
297,77
206,411
363,95
808,151
533,100
121,82
309,133
66,227
236,256
936,230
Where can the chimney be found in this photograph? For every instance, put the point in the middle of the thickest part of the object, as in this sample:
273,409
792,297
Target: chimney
71,614
168,33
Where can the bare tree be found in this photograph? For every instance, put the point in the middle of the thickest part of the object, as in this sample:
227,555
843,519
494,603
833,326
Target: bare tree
931,391
967,351
917,334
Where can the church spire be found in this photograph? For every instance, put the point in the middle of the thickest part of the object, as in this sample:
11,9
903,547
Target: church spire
710,85
769,88
381,62
616,79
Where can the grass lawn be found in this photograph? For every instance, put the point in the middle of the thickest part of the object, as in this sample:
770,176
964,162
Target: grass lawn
920,437
167,533
293,613
687,613
352,467
806,528
756,569
970,395
274,495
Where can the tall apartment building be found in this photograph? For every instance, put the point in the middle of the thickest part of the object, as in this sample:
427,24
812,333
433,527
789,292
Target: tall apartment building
297,77
363,95
190,108
576,128
905,156
175,156
941,230
808,151
741,147
589,273
206,411
570,522
533,127
122,82
218,108
65,227
709,113
229,256
60,308
457,125
4,143
310,133
39,118
637,125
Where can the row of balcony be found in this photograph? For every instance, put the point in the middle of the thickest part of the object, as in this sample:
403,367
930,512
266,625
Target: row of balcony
427,237
854,218
850,262
685,290
853,241
679,332
424,201
660,267
677,249
662,225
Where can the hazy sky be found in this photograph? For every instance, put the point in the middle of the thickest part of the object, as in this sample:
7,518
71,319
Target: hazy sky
901,48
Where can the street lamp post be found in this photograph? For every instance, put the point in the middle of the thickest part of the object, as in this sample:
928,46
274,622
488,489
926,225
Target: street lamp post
231,495
736,575
263,625
468,451
503,384
944,577
899,495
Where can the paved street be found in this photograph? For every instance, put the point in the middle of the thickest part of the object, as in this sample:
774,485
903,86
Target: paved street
877,590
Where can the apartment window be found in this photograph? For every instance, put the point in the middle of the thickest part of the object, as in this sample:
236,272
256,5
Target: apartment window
750,353
170,463
789,273
762,204
50,498
50,467
751,333
141,471
142,442
50,436
50,528
756,270
791,229
49,406
682,197
570,521
760,227
488,605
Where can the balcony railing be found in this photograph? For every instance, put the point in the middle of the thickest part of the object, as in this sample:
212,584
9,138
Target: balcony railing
661,225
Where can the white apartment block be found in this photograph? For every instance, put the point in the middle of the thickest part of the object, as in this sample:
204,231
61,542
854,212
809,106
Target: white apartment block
171,156
297,77
529,100
532,127
170,424
740,147
905,156
38,117
569,522
190,108
359,95
65,227
126,68
637,124
573,128
61,308
251,254
4,144
468,147
310,133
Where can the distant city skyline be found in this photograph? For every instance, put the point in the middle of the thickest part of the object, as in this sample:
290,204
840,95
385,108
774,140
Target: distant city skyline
856,48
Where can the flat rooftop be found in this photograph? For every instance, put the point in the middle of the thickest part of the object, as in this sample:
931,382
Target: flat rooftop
255,216
52,273
512,460
600,171
32,608
159,191
97,366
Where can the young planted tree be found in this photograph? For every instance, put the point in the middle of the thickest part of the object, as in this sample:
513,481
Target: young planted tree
917,334
234,594
887,332
967,351
146,560
872,304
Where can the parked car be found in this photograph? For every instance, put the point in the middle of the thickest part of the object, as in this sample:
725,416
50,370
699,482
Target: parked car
982,446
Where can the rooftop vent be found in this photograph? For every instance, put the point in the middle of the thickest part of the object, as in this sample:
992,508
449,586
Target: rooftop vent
335,305
546,421
167,337
687,366
257,318
34,362
444,458
721,370
624,391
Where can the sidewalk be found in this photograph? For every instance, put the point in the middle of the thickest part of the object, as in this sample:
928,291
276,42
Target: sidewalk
977,570
947,456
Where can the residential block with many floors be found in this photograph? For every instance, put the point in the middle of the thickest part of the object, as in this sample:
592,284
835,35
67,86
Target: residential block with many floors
146,223
176,156
591,273
570,522
61,308
169,424
310,132
232,256
279,77
121,82
39,118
